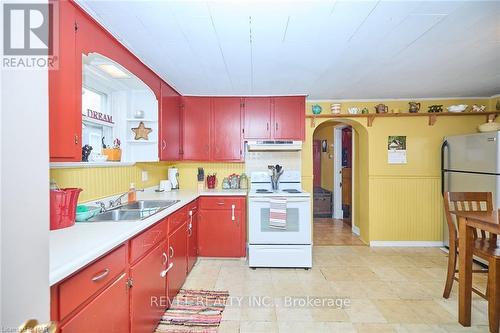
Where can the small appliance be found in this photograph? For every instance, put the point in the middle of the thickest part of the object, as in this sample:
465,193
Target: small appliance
173,176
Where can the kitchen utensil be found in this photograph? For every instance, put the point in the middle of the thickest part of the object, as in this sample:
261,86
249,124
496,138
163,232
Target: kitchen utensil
316,109
490,126
83,213
381,108
335,108
353,110
414,107
276,172
478,108
63,207
173,176
211,181
165,185
457,108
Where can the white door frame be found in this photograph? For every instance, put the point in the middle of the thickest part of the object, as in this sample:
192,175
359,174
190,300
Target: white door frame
337,213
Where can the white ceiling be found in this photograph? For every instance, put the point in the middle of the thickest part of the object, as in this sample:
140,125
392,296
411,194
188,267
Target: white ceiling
326,49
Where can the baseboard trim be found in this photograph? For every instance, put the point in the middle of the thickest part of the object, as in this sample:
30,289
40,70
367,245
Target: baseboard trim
356,230
406,243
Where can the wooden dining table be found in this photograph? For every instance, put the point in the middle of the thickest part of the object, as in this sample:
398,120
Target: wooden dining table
468,221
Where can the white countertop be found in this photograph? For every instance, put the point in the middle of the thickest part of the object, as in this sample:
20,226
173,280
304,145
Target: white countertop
73,248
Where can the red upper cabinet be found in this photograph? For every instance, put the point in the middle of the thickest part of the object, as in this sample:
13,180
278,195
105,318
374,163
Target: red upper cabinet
196,128
170,124
257,115
65,118
289,118
226,144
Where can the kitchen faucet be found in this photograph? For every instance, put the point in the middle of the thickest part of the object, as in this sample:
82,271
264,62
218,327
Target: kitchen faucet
116,202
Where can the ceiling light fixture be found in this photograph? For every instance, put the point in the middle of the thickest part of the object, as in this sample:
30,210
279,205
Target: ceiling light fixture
114,71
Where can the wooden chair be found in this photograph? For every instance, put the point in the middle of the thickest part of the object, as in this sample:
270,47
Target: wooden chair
486,247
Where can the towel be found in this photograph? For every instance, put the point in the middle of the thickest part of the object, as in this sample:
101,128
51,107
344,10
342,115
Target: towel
277,213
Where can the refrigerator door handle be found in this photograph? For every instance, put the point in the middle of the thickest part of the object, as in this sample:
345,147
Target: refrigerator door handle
443,149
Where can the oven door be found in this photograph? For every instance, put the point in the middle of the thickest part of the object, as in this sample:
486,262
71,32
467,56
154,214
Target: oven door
298,222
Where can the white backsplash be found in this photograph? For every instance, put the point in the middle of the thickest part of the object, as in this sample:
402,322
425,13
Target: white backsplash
259,160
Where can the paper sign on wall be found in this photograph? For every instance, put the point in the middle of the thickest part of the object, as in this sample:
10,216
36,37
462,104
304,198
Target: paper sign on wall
396,150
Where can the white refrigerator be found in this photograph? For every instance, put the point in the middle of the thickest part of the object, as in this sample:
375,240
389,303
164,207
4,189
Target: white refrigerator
471,163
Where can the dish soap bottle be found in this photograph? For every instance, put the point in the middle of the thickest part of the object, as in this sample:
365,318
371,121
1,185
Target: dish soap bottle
132,196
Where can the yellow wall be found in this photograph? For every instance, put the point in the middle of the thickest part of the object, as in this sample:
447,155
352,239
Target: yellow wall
326,133
396,202
102,182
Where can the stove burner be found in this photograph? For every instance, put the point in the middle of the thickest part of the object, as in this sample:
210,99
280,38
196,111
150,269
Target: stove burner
261,190
291,191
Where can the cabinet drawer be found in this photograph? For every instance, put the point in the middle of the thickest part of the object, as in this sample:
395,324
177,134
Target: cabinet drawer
147,240
176,219
85,283
222,203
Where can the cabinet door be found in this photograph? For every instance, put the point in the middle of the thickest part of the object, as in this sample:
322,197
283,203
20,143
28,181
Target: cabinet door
170,124
192,240
147,297
289,118
178,257
227,129
219,235
107,313
196,128
257,114
65,116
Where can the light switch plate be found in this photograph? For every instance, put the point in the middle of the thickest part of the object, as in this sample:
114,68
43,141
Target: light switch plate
145,176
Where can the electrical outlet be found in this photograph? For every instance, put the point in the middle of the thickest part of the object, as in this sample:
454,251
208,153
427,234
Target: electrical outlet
145,176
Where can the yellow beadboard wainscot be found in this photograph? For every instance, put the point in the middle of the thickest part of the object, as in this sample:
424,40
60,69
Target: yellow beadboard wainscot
395,202
102,182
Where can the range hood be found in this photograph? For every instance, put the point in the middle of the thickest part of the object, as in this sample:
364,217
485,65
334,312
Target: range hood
274,145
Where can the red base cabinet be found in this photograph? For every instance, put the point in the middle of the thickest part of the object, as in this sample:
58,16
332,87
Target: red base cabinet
147,295
192,240
106,313
177,256
222,227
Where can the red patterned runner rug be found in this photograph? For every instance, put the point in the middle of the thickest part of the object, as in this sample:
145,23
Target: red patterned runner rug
196,311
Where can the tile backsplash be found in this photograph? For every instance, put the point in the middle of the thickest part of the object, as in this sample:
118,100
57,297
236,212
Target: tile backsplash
259,160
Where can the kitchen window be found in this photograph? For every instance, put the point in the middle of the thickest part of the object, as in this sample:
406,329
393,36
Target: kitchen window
97,126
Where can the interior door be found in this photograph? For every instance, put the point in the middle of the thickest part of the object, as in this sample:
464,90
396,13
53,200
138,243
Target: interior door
257,114
170,124
196,128
289,118
317,163
177,254
147,297
65,114
227,129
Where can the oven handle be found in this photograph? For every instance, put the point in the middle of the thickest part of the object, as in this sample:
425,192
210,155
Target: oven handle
287,200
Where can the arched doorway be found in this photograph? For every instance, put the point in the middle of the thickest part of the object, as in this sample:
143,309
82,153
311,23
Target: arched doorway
335,182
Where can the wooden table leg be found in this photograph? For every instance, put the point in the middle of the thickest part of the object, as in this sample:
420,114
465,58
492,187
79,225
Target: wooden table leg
466,240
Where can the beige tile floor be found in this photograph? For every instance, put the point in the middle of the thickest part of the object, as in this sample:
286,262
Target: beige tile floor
388,290
329,231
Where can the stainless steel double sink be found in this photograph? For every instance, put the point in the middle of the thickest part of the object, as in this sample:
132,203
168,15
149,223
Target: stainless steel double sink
134,211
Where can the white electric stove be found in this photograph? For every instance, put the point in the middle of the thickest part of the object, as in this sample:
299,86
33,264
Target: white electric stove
270,247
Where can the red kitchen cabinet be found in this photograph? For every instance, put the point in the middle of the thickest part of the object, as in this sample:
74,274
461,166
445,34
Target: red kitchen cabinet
289,118
227,129
196,128
147,296
177,256
257,115
222,227
106,313
192,231
65,117
170,124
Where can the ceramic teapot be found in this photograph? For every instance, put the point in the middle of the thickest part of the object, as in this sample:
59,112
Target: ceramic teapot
478,108
353,110
381,108
414,107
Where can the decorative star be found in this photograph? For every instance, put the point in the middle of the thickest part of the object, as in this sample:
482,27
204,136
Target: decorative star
141,131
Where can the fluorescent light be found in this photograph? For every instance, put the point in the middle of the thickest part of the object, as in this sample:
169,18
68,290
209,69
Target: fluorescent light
113,71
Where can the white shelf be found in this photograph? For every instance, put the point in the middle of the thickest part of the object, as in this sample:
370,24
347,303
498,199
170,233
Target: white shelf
141,141
72,165
146,120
